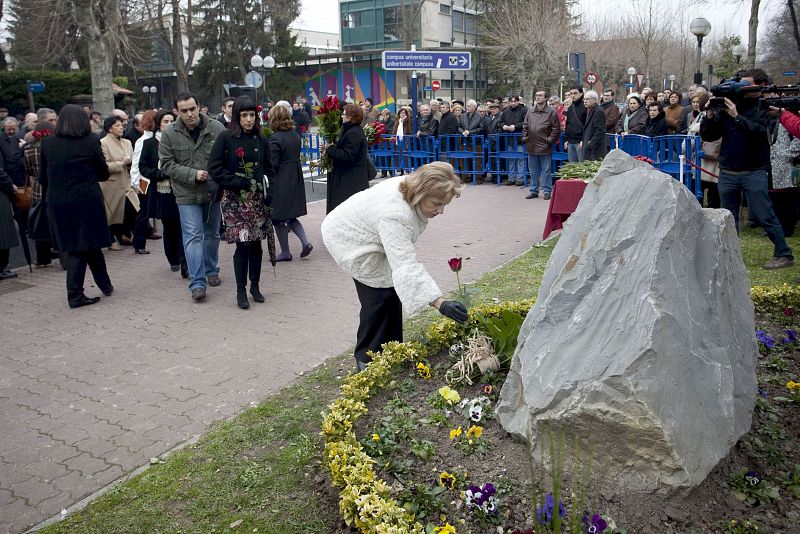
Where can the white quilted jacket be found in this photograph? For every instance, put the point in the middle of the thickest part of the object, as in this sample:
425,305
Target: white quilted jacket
371,236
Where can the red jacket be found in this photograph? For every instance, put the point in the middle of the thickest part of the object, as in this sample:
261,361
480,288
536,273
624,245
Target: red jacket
791,121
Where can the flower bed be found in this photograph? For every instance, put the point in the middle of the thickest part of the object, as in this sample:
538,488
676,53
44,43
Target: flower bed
430,458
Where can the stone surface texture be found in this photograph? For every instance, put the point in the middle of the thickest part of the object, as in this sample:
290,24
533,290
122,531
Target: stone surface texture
641,343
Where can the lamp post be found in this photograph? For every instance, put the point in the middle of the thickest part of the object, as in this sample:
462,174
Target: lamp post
738,51
700,27
258,62
151,91
561,88
631,73
671,81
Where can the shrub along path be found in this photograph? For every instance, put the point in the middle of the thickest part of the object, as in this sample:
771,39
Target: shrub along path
89,395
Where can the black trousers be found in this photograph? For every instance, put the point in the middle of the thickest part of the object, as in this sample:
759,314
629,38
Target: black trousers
141,225
5,254
380,320
173,241
76,272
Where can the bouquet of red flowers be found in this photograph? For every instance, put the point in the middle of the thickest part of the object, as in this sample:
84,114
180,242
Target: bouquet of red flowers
329,120
373,132
644,158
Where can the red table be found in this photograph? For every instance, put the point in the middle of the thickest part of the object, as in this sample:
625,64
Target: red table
566,196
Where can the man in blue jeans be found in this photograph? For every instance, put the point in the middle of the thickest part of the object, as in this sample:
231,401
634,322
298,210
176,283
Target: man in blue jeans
183,154
576,120
744,161
540,130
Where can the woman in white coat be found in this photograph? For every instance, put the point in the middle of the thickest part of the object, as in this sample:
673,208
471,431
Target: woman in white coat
371,236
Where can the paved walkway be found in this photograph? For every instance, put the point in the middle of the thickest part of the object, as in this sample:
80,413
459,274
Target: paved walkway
88,395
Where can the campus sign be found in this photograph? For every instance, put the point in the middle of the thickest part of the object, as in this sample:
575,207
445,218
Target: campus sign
422,60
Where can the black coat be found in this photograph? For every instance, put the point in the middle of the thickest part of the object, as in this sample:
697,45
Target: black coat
159,205
449,124
223,162
350,172
428,127
745,143
13,158
8,232
301,120
657,126
287,186
594,134
576,119
69,173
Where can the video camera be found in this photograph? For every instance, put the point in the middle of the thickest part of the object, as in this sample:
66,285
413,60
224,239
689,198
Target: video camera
735,89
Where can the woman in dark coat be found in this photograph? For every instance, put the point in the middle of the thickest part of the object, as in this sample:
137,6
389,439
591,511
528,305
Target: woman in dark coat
594,130
72,167
160,198
351,165
287,186
656,122
238,163
633,119
8,232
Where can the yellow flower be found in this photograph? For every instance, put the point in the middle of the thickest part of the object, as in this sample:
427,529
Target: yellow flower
423,371
447,480
455,433
446,529
475,432
376,437
793,386
450,395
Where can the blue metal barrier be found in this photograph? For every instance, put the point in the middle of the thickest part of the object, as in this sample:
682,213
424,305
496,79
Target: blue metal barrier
417,151
666,153
506,156
311,149
559,155
636,145
464,153
384,154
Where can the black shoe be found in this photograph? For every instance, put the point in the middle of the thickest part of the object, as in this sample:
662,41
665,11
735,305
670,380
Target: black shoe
213,280
5,274
107,292
532,195
306,250
184,271
547,196
84,301
174,268
281,257
198,293
241,298
256,292
141,251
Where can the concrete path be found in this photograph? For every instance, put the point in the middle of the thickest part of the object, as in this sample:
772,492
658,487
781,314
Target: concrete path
89,395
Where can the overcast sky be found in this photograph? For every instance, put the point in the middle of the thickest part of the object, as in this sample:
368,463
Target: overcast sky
728,15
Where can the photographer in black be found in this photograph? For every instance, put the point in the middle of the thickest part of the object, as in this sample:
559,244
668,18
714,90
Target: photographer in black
744,161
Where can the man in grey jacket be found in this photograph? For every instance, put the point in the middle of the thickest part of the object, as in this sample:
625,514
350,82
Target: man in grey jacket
183,154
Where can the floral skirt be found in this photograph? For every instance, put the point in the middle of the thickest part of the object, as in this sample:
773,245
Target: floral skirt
245,220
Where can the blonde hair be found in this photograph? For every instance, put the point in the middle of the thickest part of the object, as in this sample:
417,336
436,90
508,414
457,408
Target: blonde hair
280,118
435,180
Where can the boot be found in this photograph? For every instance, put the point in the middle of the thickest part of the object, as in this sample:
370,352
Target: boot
240,271
298,230
255,273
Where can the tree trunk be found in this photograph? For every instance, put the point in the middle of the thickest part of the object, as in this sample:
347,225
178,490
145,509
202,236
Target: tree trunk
752,37
178,60
795,29
101,48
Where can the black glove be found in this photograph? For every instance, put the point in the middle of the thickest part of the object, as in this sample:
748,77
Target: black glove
268,198
454,310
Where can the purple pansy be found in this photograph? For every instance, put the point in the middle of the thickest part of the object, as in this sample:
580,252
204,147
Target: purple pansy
765,339
544,514
595,524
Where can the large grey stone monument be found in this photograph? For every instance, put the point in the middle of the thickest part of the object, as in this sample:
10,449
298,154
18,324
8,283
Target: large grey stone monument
641,342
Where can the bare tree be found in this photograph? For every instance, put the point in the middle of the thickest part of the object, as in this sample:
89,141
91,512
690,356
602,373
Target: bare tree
790,7
650,29
174,24
526,40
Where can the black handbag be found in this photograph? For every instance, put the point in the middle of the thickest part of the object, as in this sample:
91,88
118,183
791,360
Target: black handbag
39,221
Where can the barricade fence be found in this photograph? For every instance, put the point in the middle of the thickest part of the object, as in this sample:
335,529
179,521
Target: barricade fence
504,155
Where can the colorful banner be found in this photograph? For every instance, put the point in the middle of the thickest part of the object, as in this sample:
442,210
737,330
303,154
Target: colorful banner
332,79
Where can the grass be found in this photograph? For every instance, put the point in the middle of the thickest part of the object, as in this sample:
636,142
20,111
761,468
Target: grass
261,470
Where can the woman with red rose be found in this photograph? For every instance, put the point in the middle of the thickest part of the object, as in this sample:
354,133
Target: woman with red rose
287,187
238,163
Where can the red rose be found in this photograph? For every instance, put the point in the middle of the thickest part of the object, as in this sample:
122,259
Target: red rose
303,129
455,264
239,152
259,108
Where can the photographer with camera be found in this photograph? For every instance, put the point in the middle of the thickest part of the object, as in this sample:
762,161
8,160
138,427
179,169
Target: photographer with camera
744,159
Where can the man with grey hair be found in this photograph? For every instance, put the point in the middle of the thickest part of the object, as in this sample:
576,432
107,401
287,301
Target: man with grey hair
594,131
435,112
30,122
47,115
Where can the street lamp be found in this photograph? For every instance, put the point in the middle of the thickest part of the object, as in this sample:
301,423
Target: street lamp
631,73
151,91
561,87
700,27
738,51
258,62
671,81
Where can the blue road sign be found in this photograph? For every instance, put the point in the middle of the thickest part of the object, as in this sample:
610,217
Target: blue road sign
790,73
628,85
422,60
36,87
427,88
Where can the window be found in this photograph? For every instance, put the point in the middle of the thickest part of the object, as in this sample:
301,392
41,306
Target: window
470,22
351,20
458,21
444,44
391,23
444,9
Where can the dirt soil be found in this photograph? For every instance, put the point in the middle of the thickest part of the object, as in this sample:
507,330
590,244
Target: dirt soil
771,448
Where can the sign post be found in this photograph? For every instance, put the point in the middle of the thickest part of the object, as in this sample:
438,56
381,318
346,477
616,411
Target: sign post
34,87
591,78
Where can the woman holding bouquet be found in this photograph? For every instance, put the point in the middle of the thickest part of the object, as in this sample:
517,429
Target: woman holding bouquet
351,164
238,162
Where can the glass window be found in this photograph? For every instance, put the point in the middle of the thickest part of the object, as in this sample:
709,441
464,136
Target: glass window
470,22
444,9
458,21
351,20
391,23
444,44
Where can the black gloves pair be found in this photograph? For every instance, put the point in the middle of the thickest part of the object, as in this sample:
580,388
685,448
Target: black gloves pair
454,310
